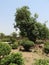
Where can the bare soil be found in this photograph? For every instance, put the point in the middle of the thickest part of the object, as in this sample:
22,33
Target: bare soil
30,57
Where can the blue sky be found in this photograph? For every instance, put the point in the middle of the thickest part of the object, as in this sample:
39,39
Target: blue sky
8,9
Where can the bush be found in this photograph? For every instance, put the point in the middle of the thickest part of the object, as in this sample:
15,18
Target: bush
46,47
14,45
41,62
13,59
27,44
5,49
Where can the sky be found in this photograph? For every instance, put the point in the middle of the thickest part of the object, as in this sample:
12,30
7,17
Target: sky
8,9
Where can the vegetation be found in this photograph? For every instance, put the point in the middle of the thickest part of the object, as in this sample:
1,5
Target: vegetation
2,35
5,49
27,44
15,45
14,35
43,31
46,47
41,62
13,59
32,35
29,26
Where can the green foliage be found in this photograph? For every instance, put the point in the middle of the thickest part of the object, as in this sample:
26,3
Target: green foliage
22,14
13,59
15,45
5,49
26,23
36,15
29,26
27,44
41,62
43,31
46,47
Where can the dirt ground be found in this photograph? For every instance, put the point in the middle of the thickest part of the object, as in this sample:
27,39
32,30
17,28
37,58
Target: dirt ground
30,57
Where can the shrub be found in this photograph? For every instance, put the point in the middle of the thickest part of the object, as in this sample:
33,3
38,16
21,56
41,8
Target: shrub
14,45
13,59
27,44
5,49
46,47
41,62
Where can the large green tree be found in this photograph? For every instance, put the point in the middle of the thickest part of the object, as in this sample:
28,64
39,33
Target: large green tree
28,25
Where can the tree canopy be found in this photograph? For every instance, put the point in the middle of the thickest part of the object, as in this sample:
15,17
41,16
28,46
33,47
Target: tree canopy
28,24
